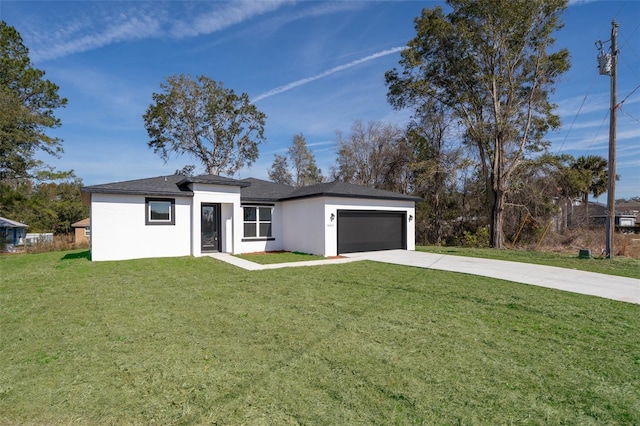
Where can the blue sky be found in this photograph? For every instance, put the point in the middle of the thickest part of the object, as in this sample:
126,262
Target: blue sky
312,67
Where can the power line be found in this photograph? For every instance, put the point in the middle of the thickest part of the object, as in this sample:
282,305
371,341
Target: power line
627,97
629,115
595,135
578,112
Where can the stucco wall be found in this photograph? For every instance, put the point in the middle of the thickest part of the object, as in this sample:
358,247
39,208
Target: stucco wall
304,223
118,229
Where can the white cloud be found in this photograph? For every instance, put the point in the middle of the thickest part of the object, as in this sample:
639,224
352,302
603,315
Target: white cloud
327,73
570,107
317,9
92,29
93,25
224,17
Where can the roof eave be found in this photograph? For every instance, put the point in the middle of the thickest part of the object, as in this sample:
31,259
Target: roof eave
136,192
258,200
340,195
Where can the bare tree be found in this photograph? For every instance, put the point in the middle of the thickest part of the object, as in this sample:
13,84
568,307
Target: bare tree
376,155
437,159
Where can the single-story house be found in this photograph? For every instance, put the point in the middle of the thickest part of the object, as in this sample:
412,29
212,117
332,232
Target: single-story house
82,231
174,215
12,234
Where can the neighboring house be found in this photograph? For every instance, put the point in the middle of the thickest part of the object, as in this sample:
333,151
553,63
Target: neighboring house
572,213
629,212
12,234
631,208
621,220
40,238
169,216
82,231
625,217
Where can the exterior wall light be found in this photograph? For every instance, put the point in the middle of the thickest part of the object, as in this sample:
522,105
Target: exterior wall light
410,217
332,217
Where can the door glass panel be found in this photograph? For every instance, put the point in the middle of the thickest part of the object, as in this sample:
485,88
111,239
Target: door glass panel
209,228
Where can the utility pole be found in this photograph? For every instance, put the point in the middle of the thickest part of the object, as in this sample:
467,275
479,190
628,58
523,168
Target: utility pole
608,65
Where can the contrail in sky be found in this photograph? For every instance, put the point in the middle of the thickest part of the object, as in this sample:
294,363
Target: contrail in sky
334,70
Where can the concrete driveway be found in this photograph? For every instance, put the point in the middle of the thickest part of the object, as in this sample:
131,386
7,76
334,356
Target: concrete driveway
601,285
607,286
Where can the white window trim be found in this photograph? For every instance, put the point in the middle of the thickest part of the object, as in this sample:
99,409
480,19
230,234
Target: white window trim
258,222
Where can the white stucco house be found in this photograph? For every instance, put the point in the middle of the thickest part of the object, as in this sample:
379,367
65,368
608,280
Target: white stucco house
169,216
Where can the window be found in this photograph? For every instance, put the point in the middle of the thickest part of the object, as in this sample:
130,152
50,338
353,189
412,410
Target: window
87,231
257,222
160,211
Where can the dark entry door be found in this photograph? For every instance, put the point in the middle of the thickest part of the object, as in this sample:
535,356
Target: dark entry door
210,227
371,230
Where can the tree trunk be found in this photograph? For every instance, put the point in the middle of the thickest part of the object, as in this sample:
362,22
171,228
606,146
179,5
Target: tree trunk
497,219
437,226
585,200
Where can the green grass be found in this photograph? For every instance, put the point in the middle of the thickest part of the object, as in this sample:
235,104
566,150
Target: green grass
279,257
621,266
197,341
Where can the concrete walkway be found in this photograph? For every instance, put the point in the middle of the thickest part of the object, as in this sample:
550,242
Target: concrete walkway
252,266
601,285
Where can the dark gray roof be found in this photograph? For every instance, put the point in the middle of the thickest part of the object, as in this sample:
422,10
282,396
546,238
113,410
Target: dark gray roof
628,205
343,189
263,190
252,189
172,185
159,185
213,179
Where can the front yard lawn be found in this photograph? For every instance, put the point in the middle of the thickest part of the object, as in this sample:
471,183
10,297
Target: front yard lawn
197,341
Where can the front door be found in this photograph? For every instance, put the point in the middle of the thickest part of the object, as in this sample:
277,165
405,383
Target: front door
210,227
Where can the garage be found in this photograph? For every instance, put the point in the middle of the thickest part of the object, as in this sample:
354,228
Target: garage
366,230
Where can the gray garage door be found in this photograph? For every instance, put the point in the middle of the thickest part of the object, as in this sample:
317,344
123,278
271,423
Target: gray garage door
360,230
